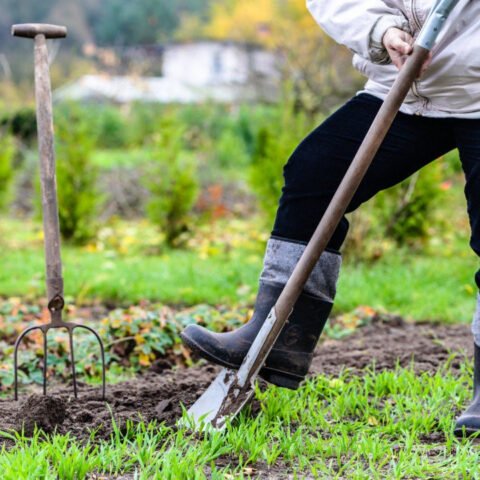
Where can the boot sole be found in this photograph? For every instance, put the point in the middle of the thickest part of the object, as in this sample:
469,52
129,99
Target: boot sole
465,432
275,377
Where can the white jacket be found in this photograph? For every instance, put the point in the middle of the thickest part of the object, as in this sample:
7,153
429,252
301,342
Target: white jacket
451,85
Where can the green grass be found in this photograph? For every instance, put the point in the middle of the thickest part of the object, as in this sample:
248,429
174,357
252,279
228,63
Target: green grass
109,159
112,158
434,286
390,424
176,277
420,287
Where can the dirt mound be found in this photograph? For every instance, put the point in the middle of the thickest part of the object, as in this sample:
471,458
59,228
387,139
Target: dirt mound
46,412
159,397
148,397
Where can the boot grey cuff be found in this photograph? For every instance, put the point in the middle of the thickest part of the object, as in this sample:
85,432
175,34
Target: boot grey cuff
282,256
476,323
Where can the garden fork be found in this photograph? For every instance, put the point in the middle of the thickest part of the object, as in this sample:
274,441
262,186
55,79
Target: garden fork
40,33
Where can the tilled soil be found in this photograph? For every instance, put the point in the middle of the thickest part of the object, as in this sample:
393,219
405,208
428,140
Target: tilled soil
155,396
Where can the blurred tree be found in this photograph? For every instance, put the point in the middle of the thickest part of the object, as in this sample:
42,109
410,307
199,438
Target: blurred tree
106,22
7,152
133,23
319,69
247,21
68,12
172,182
18,52
113,21
78,195
117,22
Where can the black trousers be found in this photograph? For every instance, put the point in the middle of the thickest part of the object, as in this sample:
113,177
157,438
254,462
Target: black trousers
319,163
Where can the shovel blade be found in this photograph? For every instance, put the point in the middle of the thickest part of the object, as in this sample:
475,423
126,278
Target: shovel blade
221,402
231,390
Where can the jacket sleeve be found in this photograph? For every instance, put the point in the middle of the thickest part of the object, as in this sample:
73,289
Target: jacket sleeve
359,24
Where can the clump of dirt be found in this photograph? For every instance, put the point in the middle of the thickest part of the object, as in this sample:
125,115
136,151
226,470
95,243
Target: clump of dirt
159,396
45,412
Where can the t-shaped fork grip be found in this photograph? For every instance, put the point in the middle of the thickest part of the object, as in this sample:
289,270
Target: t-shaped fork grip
31,30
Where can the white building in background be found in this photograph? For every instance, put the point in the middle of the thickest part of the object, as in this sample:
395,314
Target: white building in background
218,63
192,72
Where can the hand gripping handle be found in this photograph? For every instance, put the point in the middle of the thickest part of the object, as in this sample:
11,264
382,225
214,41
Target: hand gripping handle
31,30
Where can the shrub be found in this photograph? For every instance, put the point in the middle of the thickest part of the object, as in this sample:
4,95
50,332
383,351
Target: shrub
76,179
275,142
107,125
7,152
143,122
400,216
414,203
112,130
172,183
230,151
210,118
22,124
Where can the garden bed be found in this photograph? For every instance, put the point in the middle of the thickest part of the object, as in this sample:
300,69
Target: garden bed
159,396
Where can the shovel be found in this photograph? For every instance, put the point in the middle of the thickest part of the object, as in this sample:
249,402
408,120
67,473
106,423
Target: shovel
231,390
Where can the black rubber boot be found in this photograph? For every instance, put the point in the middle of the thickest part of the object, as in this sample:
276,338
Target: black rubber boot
292,354
469,422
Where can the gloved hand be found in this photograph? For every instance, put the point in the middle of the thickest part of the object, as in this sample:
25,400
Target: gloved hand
399,45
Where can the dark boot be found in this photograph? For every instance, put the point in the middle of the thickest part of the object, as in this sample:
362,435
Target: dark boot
469,422
292,354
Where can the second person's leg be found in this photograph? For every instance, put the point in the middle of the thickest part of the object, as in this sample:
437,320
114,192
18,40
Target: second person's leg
468,138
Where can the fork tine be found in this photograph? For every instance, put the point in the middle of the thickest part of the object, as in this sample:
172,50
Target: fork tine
15,355
72,358
102,350
45,360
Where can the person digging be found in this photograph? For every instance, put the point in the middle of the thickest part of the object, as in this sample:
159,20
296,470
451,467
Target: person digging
441,113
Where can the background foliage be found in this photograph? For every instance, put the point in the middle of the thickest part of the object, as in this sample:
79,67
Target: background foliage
172,183
7,151
78,195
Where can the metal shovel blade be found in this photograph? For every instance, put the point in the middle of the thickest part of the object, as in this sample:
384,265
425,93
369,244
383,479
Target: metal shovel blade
231,390
222,400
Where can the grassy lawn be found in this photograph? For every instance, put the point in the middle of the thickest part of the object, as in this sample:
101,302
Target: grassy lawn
225,271
176,277
392,424
418,287
108,159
